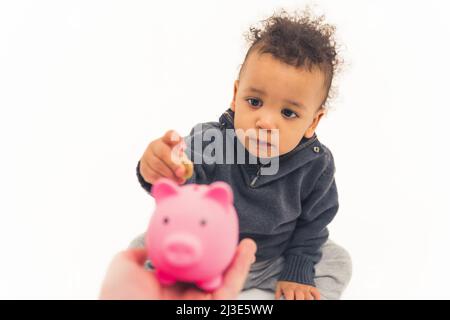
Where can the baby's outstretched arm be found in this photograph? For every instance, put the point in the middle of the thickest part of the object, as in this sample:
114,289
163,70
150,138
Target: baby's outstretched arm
166,157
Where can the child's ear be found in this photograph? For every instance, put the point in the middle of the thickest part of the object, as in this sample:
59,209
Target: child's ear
233,103
312,128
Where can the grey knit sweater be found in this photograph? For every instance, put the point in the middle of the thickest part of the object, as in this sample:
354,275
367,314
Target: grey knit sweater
286,213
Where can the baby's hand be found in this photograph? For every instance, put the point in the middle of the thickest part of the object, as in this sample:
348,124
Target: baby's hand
164,157
296,291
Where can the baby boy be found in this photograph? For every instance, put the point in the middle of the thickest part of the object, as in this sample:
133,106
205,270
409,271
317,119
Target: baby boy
279,99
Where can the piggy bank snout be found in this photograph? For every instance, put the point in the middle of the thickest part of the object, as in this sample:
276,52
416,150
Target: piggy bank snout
182,249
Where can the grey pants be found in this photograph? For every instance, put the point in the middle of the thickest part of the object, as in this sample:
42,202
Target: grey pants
333,273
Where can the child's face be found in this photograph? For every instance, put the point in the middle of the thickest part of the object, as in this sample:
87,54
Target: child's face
265,98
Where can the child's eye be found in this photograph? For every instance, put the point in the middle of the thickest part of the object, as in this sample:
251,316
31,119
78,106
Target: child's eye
289,113
254,102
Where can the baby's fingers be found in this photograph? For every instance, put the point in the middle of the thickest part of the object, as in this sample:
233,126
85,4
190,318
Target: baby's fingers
171,138
278,293
161,168
147,172
289,294
299,295
170,157
315,293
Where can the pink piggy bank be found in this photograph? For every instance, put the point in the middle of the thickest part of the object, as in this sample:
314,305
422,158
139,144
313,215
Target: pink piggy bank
193,233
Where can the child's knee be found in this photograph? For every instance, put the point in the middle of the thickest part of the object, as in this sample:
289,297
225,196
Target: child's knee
336,262
138,242
345,262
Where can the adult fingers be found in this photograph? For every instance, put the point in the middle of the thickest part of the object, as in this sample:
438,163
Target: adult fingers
308,296
137,255
236,274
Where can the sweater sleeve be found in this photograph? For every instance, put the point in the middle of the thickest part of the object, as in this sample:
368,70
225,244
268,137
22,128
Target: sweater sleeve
144,184
304,249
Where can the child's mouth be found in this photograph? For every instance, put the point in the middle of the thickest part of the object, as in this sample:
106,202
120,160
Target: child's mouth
261,142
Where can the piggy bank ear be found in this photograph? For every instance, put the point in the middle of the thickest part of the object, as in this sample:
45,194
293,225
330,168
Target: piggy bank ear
164,188
220,192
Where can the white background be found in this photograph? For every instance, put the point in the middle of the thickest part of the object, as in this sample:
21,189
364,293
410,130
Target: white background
86,85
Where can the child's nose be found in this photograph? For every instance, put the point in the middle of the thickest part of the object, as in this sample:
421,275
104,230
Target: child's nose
266,123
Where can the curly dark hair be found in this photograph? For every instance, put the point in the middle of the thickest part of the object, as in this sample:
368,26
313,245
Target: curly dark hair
301,40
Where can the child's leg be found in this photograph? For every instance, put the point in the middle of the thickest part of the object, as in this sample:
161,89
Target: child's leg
138,242
256,294
333,271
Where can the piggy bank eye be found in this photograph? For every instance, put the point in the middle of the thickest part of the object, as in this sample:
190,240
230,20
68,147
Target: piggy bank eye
166,220
203,222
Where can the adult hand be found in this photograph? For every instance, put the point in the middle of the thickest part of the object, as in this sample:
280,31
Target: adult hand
127,278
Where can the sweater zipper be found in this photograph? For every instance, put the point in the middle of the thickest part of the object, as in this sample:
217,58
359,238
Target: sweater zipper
252,184
228,116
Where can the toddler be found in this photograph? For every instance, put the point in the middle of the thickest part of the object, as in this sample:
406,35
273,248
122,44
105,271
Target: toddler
284,189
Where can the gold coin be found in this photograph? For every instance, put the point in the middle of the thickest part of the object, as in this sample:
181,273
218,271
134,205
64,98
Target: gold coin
188,166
